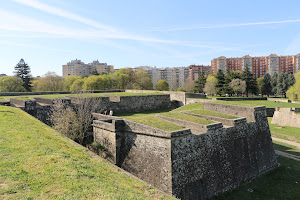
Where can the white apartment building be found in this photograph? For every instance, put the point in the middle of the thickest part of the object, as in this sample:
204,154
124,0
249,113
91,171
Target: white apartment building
175,76
79,68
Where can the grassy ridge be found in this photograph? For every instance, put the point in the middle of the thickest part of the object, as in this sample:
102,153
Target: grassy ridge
189,118
213,114
156,122
39,163
268,104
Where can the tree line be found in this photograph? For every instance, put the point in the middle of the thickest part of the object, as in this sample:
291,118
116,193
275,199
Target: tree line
242,83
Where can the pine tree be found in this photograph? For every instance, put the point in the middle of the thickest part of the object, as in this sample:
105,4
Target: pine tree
282,84
274,83
291,80
200,83
251,84
23,72
267,87
221,81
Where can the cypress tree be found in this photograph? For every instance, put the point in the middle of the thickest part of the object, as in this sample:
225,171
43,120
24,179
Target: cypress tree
200,83
22,70
274,78
267,87
251,84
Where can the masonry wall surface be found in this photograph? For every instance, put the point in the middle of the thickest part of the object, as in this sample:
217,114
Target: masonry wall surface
286,117
208,164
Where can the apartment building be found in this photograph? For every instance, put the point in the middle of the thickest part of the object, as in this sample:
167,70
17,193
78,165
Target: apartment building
258,66
195,70
79,68
175,76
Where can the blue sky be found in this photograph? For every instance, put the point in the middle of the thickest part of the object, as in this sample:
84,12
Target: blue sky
161,33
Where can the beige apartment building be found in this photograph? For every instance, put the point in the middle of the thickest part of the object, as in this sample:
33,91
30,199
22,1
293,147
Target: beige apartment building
175,76
79,68
258,66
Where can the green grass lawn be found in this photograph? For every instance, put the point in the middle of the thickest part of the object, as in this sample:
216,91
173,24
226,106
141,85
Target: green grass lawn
281,183
268,104
192,106
189,118
284,132
36,162
212,113
144,113
156,122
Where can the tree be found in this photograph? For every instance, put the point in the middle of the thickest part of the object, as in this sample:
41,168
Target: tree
274,78
77,85
210,85
180,90
142,81
22,70
69,80
251,84
74,121
267,86
11,84
49,82
94,72
282,84
293,92
221,81
93,83
200,83
260,84
188,85
291,80
238,85
162,85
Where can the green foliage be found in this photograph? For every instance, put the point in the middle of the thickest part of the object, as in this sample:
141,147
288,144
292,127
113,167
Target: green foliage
143,81
162,85
77,85
282,84
200,83
251,84
211,85
274,78
267,85
69,80
238,86
11,84
221,81
260,84
22,70
49,82
268,104
180,90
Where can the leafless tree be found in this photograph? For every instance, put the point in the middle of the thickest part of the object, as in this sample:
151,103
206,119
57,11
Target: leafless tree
74,120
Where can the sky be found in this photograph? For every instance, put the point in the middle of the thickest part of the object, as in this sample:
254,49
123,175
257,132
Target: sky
159,33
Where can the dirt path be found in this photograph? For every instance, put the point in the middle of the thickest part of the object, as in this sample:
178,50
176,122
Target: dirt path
287,142
287,155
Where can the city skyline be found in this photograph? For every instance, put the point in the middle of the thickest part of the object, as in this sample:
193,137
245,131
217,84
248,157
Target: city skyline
48,34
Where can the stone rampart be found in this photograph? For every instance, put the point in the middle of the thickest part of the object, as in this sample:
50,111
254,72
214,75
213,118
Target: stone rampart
240,111
286,117
188,165
4,103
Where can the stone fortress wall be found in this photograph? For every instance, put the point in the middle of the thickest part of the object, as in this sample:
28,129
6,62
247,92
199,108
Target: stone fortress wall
191,164
287,117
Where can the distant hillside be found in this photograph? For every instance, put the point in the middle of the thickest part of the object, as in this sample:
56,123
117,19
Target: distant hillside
37,162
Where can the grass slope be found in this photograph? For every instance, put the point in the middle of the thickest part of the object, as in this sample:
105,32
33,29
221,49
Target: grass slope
156,122
281,183
268,104
189,118
284,132
36,162
213,114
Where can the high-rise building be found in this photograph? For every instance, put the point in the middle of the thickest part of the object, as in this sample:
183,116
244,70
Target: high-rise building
79,68
195,70
258,66
175,76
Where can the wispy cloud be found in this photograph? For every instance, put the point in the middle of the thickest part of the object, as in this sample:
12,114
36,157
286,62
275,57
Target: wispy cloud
182,28
63,13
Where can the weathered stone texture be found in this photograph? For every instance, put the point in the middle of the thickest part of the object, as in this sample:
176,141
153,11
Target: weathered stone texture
196,166
286,117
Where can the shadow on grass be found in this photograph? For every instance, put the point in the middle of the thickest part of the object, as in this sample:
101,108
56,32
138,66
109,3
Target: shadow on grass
287,149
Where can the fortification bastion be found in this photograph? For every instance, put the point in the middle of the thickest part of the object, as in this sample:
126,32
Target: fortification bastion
191,163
